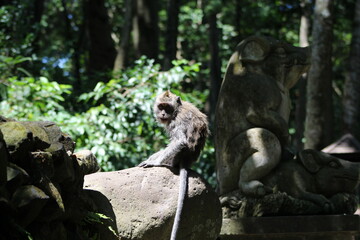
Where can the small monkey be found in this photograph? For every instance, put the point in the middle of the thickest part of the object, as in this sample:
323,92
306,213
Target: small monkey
188,129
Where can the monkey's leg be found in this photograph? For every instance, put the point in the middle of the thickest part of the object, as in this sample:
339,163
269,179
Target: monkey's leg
266,155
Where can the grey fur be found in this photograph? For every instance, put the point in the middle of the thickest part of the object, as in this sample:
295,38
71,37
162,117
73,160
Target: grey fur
188,129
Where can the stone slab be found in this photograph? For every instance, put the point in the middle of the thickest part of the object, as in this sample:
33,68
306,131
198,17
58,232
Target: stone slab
331,227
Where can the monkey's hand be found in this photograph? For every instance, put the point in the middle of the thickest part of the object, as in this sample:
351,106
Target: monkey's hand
153,160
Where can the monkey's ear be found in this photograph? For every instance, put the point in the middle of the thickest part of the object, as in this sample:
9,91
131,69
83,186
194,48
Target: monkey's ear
254,49
167,93
178,100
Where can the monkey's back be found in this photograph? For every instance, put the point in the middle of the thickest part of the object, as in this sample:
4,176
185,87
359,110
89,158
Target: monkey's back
192,124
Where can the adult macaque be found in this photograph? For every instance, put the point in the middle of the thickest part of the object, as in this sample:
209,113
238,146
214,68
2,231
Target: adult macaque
187,128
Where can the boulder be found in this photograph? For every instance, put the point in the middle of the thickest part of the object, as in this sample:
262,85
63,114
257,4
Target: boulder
144,201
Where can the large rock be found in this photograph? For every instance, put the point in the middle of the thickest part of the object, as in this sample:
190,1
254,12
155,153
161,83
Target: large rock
144,200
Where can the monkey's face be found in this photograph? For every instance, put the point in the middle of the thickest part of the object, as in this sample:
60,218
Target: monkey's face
164,112
166,107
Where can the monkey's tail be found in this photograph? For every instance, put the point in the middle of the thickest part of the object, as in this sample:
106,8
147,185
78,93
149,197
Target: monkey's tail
183,185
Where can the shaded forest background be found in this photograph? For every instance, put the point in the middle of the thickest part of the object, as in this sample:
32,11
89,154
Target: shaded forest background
94,66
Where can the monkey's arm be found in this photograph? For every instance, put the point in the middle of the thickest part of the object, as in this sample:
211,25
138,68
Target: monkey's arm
167,156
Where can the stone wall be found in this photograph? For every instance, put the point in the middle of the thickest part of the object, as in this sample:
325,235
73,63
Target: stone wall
41,183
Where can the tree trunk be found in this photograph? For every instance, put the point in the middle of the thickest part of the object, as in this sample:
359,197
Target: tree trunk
35,15
123,50
305,22
351,99
215,64
102,51
38,12
78,50
319,108
171,32
300,109
146,29
237,24
76,46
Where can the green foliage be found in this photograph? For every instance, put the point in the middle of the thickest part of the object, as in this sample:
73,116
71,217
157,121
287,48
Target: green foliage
93,219
9,64
120,128
193,33
44,44
118,125
21,231
212,7
14,37
33,98
7,69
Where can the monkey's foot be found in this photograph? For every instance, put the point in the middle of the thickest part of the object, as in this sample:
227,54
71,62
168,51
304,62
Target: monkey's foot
146,164
254,188
152,161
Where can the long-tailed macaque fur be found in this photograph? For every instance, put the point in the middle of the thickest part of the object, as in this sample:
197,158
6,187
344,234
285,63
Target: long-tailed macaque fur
188,129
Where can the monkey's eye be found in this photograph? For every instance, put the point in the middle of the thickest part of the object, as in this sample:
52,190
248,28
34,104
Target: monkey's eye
162,106
169,109
166,107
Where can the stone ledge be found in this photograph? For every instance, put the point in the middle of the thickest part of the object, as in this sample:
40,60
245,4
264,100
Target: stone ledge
292,227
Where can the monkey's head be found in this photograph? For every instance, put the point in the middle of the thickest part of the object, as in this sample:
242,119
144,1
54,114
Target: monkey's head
166,107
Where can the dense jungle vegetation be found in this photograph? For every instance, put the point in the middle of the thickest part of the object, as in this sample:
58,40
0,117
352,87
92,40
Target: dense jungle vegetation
95,66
